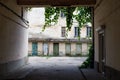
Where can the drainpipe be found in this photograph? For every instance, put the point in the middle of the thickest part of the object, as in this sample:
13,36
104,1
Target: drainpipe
93,38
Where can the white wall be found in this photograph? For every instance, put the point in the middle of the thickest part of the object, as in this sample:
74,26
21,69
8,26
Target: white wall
14,38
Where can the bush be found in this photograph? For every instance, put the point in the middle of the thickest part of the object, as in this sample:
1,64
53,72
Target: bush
89,63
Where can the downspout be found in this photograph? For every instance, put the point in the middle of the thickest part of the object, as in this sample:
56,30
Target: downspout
93,37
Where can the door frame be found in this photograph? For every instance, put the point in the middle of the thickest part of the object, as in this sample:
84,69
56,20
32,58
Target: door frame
102,49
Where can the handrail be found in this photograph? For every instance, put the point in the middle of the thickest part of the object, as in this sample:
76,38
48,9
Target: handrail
25,21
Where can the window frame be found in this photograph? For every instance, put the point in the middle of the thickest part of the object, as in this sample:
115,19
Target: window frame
76,32
63,31
89,31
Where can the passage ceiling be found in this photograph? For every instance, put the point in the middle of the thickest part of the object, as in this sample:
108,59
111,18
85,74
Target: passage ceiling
57,2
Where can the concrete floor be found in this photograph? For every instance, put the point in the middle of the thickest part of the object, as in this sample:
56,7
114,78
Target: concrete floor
50,68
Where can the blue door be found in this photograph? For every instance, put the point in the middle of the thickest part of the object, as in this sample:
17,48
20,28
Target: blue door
34,49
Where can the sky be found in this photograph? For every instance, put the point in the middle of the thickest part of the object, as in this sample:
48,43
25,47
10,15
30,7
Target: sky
36,16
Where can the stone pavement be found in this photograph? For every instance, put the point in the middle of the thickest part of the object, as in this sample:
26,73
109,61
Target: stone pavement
49,68
91,74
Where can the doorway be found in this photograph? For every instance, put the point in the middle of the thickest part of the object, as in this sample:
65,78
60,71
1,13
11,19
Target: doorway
34,49
102,51
56,49
68,49
78,48
45,49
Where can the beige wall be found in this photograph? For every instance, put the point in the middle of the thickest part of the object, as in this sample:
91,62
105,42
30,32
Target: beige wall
108,14
62,49
14,38
73,48
84,48
83,32
40,47
30,48
50,48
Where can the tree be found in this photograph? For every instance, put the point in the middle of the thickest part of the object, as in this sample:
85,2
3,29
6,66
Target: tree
83,15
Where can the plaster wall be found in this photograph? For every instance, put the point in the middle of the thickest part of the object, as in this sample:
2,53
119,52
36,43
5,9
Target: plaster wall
14,38
108,13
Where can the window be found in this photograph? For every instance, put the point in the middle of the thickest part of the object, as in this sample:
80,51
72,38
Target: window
77,32
63,32
62,14
89,32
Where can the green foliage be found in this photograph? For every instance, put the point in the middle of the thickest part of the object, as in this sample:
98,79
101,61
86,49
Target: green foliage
89,61
83,15
51,15
69,17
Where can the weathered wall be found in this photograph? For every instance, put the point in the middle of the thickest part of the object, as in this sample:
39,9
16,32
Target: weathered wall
84,48
73,48
62,49
50,48
54,31
108,13
30,48
13,38
40,47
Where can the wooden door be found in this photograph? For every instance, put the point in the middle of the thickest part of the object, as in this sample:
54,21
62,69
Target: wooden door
34,49
56,49
68,49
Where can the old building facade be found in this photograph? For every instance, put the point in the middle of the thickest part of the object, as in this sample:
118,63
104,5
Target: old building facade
56,40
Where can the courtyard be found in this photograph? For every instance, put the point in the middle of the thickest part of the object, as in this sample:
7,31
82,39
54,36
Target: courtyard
50,68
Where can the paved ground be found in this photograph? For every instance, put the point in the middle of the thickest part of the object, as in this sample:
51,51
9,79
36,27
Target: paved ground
50,68
91,74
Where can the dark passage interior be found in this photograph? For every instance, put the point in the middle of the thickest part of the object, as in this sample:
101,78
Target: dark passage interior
14,40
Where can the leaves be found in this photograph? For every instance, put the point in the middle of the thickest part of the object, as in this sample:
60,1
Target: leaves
82,16
51,16
69,17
